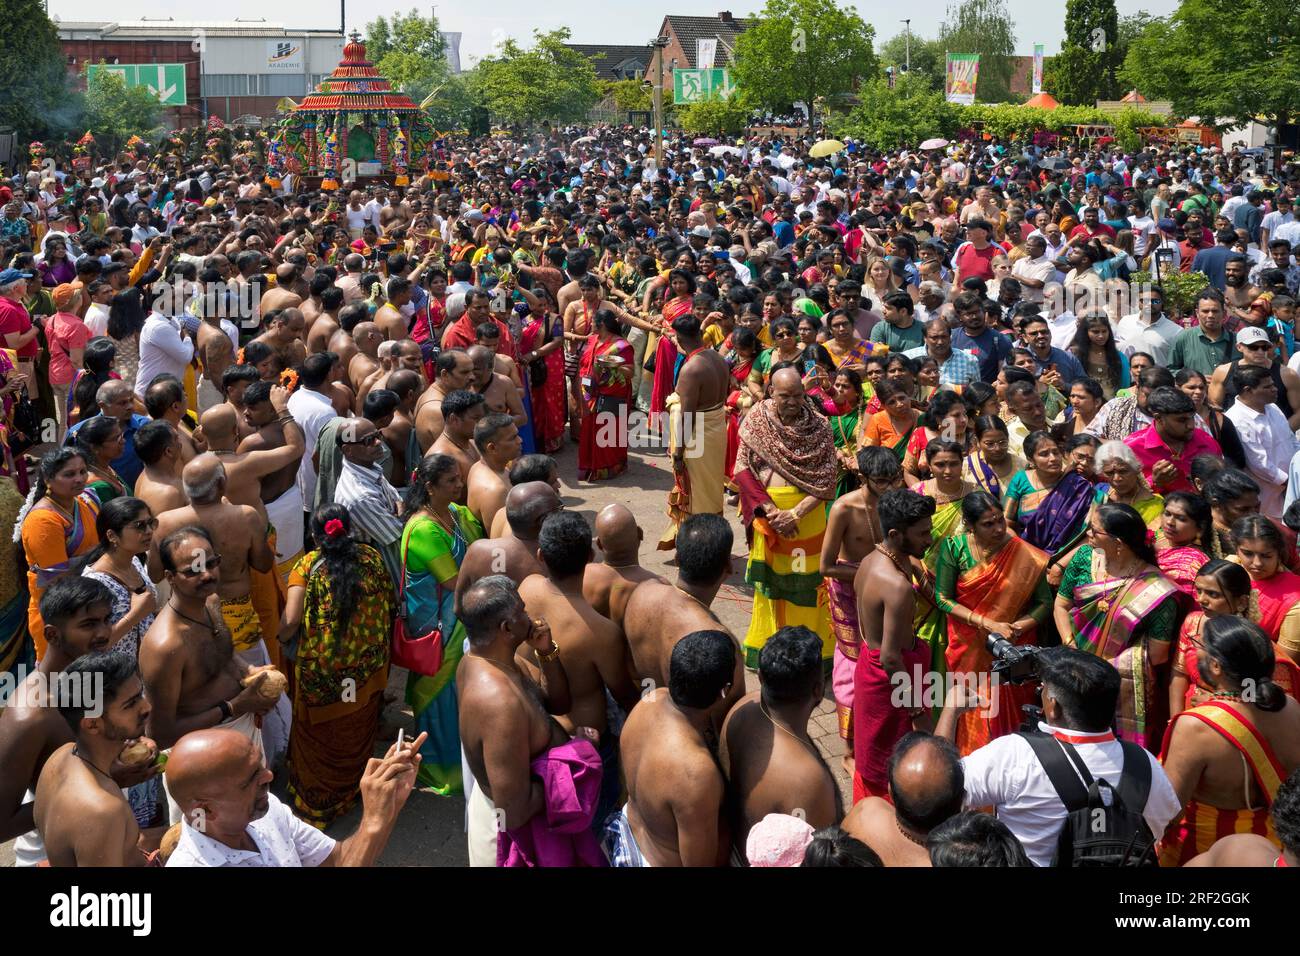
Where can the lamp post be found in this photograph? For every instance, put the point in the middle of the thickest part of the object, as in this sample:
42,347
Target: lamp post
907,25
659,43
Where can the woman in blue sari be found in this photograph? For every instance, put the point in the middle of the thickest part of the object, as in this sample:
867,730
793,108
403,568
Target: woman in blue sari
1048,502
438,533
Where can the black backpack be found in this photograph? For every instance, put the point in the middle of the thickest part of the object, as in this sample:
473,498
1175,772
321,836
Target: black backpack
1103,825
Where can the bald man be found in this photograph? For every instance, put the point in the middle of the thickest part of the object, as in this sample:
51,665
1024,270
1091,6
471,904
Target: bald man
609,586
246,469
230,817
926,785
497,390
513,553
770,762
365,363
281,295
354,267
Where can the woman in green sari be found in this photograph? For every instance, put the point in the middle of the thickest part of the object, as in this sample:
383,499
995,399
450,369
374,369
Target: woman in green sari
102,440
949,488
847,389
786,349
438,533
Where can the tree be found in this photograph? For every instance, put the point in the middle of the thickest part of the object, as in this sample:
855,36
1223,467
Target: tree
926,56
114,112
983,27
410,52
1084,71
718,117
629,95
800,50
913,111
36,100
548,82
1226,63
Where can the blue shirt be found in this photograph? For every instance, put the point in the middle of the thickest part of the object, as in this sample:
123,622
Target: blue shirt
1071,368
128,464
783,232
991,347
1213,262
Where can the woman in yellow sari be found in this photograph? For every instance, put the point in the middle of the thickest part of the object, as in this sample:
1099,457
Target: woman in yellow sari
948,488
1122,483
989,581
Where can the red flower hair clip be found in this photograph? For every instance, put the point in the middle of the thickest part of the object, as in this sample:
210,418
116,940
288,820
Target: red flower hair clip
334,528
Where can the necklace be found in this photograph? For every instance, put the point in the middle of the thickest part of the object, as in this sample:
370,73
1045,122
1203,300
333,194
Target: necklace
763,707
453,530
89,763
630,564
193,620
907,836
696,600
893,558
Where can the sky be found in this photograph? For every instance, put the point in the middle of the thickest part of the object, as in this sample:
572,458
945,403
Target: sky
590,21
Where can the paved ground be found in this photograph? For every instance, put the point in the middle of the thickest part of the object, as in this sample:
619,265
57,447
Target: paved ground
429,831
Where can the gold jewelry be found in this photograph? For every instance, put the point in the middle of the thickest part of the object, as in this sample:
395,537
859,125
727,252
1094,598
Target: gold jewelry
551,656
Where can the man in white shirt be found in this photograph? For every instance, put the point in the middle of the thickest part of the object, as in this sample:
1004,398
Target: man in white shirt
1282,215
1265,435
1143,225
1080,695
312,409
228,822
163,346
1148,330
1035,270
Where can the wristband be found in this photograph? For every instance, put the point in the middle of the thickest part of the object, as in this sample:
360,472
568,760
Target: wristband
226,711
551,656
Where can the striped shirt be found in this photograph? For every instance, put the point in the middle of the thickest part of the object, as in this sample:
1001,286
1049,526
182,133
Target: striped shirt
371,501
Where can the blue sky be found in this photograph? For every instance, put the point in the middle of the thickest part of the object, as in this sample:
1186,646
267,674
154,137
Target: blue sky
591,21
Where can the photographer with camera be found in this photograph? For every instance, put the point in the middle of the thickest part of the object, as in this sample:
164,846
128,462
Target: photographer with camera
1074,737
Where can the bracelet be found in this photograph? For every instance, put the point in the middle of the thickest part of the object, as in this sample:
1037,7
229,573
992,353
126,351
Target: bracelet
551,656
226,710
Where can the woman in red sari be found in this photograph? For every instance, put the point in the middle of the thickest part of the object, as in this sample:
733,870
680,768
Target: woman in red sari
1277,591
541,343
1222,588
605,374
679,299
1183,539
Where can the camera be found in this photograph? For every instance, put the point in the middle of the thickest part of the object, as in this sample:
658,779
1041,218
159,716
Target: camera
1013,663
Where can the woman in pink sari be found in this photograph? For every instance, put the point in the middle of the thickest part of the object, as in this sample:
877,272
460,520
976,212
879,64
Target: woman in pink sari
605,375
679,299
1276,590
541,343
1183,540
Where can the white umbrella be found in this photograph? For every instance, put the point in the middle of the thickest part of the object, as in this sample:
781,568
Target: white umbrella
724,150
584,139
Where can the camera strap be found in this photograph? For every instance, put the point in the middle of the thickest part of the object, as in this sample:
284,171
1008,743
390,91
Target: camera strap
1064,768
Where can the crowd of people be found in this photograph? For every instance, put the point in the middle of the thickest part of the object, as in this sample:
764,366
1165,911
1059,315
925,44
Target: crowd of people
1028,520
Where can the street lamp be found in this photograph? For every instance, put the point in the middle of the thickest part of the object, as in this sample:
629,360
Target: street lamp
907,24
659,43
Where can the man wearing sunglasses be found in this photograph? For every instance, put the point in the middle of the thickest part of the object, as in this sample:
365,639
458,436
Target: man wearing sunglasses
1256,348
1266,436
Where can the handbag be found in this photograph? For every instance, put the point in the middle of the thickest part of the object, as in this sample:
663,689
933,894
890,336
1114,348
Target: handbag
26,424
418,653
537,372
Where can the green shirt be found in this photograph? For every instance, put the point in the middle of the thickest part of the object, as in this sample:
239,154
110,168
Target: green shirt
899,340
1193,349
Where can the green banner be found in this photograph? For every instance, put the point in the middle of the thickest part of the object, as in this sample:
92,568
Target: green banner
164,80
702,86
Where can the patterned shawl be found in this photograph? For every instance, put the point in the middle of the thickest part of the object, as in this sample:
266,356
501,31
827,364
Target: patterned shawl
802,453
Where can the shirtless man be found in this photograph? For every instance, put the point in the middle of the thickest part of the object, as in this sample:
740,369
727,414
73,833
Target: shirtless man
284,334
341,343
527,468
402,356
462,411
245,470
926,787
159,486
702,388
281,295
887,605
216,352
852,532
454,371
164,400
498,444
497,390
392,323
365,362
187,659
513,553
674,814
658,614
399,434
75,611
312,306
234,382
327,323
505,718
594,649
488,335
81,813
609,586
770,762
269,420
1210,761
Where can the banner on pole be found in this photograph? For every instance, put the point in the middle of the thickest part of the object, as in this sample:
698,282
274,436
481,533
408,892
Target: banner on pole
1038,68
962,74
705,53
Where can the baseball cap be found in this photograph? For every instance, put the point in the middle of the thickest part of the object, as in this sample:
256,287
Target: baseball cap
13,275
1252,335
63,295
1167,225
701,231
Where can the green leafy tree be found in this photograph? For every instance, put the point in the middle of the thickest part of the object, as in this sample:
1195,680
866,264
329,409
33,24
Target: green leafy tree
926,56
803,50
1224,63
34,95
114,112
629,95
410,52
913,111
718,117
983,27
546,82
1084,71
